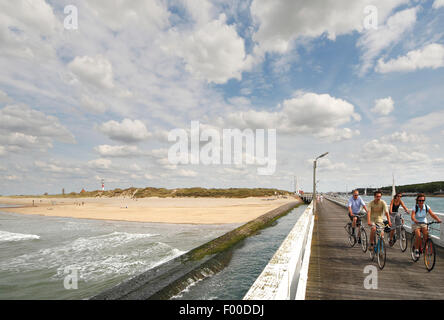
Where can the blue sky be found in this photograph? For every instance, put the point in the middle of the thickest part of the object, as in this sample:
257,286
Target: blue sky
98,101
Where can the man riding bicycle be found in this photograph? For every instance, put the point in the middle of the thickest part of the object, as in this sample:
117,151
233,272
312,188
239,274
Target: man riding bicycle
377,208
355,203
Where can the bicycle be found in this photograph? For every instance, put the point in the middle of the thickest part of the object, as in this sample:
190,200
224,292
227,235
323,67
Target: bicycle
360,229
426,247
379,248
401,233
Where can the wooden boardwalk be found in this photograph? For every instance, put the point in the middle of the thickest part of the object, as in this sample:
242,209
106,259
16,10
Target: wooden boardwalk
336,270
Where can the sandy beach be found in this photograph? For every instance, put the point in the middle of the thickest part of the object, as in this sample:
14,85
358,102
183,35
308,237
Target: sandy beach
163,210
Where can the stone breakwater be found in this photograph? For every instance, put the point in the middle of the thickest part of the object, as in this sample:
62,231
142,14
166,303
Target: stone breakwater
170,278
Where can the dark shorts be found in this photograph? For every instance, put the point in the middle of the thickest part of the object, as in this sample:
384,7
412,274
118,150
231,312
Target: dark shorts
358,220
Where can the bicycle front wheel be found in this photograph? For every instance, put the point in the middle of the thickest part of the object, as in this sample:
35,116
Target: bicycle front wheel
402,239
429,255
413,248
351,237
364,242
381,253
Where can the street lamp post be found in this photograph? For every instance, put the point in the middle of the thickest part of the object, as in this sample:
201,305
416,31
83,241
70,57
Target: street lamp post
314,180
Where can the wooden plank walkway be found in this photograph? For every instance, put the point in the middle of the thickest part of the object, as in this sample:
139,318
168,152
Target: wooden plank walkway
336,270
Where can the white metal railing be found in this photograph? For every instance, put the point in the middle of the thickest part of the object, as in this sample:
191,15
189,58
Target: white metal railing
285,276
437,239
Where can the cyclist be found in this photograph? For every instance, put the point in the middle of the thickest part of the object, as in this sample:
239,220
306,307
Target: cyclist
355,203
377,208
395,216
420,221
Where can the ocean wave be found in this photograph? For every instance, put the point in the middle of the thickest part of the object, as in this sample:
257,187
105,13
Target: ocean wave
97,258
10,236
191,282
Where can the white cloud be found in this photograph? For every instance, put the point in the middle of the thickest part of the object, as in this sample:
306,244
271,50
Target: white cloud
118,151
185,173
325,164
127,131
404,137
147,15
57,167
319,114
384,106
96,71
93,105
214,52
36,14
426,122
281,22
431,56
23,126
100,164
26,28
337,134
376,150
4,97
373,42
438,4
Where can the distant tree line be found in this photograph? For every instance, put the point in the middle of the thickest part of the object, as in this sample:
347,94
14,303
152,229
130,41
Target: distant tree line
436,187
179,192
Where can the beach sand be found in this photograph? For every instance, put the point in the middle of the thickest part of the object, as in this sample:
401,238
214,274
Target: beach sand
163,210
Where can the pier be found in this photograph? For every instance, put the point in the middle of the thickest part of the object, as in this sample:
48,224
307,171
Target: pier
334,270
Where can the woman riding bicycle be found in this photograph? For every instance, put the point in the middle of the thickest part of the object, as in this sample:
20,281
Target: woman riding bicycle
395,216
419,214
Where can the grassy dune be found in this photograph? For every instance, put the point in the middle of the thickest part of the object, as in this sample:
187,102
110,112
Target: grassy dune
163,193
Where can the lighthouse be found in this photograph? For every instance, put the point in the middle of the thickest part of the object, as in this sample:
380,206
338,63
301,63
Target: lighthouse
103,185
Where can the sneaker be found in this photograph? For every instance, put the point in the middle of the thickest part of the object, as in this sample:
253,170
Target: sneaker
391,243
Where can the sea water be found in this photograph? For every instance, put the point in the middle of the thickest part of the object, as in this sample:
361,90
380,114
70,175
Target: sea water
249,259
38,253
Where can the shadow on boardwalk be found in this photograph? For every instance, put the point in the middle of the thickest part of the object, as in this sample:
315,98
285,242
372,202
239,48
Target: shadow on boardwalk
337,271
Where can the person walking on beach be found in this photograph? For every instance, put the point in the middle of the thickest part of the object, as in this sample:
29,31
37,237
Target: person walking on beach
377,208
355,204
395,216
420,221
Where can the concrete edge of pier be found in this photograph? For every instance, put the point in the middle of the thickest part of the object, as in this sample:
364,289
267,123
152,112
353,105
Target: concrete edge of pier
285,276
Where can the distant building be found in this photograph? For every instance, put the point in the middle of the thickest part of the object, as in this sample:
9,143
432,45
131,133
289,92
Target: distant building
83,191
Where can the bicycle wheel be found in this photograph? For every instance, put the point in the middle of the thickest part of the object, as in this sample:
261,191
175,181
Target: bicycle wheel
351,237
387,238
402,239
364,242
429,255
413,248
381,253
